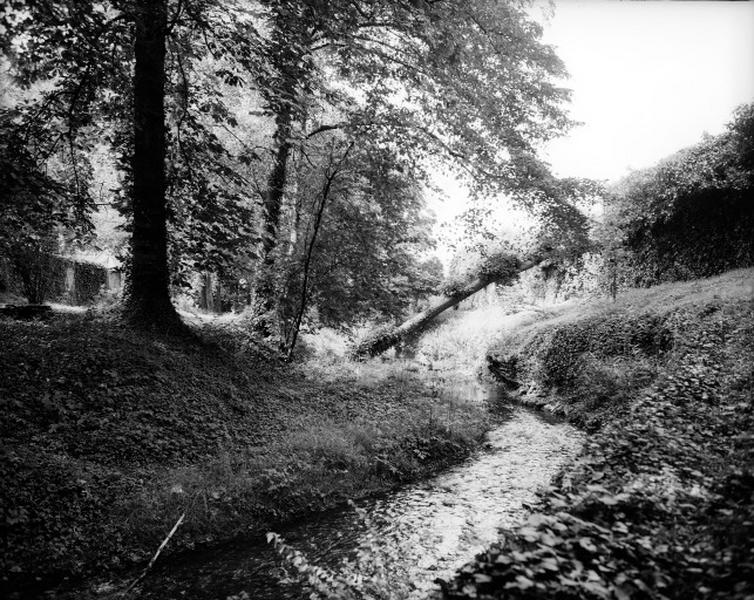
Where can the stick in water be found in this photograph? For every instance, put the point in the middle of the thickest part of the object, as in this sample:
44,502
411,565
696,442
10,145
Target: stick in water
156,554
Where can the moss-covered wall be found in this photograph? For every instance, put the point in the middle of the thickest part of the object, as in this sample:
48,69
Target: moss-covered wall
88,279
64,280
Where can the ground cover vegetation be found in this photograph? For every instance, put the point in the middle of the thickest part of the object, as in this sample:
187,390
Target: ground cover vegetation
659,504
109,436
273,157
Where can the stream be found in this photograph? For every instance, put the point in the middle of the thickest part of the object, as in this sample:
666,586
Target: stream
405,539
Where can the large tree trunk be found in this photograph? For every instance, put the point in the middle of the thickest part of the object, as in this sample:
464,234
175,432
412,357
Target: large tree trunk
266,286
148,302
273,200
384,339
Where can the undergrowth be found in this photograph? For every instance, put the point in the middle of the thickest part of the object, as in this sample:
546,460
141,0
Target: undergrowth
587,361
109,435
660,504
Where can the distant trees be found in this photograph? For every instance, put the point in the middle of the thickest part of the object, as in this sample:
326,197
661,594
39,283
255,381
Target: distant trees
690,216
32,204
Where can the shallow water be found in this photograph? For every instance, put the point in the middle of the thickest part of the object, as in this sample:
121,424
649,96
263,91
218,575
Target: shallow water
417,534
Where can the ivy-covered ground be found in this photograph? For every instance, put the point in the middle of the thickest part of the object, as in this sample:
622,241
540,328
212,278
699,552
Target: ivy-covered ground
108,436
660,503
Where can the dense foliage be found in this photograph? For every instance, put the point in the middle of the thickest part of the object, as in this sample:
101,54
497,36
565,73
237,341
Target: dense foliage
659,504
690,216
261,101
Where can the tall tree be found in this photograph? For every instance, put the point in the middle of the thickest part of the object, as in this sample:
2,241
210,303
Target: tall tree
470,82
148,301
80,56
361,232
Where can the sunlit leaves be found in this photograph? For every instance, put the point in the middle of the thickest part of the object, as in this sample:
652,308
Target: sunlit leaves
367,256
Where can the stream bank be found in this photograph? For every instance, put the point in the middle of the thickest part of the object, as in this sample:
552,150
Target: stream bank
110,435
393,545
660,504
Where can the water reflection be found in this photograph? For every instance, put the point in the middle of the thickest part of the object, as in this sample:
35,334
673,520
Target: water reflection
414,535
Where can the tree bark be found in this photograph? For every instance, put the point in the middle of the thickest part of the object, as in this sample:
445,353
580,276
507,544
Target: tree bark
148,301
266,286
329,178
384,339
276,183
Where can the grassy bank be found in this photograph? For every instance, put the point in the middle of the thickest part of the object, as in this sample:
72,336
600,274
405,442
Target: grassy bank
109,436
661,502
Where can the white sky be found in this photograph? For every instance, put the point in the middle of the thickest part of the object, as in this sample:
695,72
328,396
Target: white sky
648,79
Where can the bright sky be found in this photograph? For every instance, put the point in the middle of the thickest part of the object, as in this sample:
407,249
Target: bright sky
648,79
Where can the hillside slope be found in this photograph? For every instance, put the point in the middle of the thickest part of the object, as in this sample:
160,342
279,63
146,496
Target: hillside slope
661,502
109,435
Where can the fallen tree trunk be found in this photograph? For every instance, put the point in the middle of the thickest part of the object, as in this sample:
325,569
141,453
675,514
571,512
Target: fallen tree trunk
504,271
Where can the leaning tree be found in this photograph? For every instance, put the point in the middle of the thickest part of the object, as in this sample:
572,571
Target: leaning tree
469,83
564,235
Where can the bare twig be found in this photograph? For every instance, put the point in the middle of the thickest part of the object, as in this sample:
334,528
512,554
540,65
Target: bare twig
156,554
176,17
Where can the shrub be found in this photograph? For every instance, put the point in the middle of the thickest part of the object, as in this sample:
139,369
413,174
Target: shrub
691,215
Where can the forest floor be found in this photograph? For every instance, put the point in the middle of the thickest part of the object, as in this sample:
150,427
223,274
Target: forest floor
660,504
110,435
